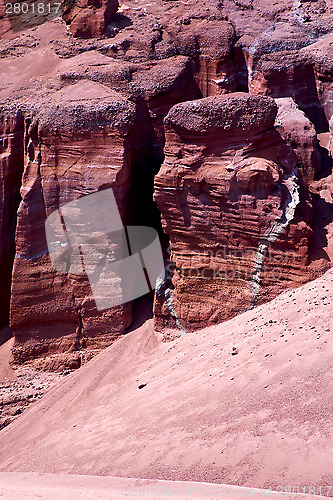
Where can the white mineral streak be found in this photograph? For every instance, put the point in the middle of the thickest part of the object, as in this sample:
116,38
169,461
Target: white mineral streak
165,293
274,231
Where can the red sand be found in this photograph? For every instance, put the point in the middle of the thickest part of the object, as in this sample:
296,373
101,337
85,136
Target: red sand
261,418
6,371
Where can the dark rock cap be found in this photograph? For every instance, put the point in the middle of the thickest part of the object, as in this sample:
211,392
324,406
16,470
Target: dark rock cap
79,115
226,112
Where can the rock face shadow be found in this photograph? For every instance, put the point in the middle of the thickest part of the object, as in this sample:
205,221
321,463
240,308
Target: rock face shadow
323,216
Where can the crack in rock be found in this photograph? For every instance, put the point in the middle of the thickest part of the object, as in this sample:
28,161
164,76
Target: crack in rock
165,293
278,226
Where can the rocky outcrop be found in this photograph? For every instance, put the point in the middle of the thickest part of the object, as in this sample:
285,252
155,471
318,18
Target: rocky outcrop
238,179
222,188
278,64
89,18
154,87
209,43
11,168
299,133
79,139
72,148
321,55
287,74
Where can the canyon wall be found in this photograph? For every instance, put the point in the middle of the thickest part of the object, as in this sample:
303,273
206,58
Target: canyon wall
83,109
299,133
71,150
209,43
75,138
88,18
11,168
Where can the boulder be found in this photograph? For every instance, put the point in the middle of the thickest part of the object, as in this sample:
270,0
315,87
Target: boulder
88,18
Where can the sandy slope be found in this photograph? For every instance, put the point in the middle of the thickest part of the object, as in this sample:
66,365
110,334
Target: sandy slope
6,371
261,418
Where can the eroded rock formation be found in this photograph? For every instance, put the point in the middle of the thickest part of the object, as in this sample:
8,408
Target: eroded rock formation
220,190
223,190
321,55
299,133
89,18
11,168
67,155
74,138
209,43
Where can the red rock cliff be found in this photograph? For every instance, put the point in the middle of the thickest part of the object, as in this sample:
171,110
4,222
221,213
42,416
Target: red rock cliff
226,183
11,168
73,148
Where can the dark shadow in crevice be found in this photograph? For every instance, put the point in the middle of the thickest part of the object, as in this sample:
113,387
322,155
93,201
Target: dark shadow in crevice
146,164
13,179
322,217
5,334
142,311
326,164
242,74
117,23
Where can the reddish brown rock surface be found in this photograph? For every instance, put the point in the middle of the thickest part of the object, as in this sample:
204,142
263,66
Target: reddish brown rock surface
321,55
75,137
209,43
220,190
153,56
89,18
299,133
11,168
50,311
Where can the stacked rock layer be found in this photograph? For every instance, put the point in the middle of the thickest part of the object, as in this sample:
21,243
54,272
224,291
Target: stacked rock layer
244,188
221,190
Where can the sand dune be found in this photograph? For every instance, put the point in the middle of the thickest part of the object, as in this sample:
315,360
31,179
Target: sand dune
191,410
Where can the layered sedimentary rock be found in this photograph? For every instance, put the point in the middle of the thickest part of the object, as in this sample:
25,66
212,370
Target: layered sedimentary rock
154,87
72,148
278,65
225,191
287,74
89,18
209,43
11,168
77,140
155,55
299,133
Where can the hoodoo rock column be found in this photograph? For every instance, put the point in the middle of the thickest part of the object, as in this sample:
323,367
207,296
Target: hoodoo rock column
223,187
